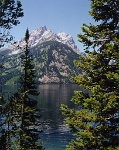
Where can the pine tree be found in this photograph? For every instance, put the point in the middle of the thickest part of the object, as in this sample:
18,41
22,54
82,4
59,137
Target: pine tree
6,124
26,105
20,111
10,12
95,123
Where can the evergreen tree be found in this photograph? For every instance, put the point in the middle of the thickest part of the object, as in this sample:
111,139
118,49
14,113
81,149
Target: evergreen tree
6,124
95,123
20,112
26,105
10,12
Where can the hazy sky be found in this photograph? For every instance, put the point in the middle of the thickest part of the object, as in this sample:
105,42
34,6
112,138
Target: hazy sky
58,15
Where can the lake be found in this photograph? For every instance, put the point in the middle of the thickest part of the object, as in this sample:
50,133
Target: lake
55,135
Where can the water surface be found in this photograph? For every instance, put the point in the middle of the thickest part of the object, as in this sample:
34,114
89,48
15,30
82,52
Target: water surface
55,135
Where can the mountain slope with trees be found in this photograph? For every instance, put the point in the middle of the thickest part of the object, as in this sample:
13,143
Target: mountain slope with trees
53,63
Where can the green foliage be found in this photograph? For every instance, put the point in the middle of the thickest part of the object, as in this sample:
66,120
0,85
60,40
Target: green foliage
20,111
10,12
95,124
26,106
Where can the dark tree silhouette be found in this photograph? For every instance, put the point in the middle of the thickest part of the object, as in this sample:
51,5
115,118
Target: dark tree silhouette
10,12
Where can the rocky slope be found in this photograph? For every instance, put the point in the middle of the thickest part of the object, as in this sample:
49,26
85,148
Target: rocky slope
53,56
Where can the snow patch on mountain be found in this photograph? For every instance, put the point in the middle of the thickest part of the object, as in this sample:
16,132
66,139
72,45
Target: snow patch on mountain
66,39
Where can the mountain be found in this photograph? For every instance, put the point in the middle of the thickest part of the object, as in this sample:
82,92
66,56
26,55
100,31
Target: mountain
41,35
53,56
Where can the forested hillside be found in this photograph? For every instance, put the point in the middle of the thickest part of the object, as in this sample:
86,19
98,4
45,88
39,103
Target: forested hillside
53,61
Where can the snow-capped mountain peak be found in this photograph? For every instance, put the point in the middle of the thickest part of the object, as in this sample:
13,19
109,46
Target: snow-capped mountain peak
67,39
39,31
64,36
42,34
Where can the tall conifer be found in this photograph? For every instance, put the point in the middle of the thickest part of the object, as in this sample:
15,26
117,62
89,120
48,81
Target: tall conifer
96,121
27,90
26,106
10,12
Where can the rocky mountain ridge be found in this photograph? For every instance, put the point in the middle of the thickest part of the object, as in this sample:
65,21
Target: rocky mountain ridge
41,35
